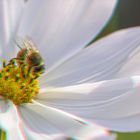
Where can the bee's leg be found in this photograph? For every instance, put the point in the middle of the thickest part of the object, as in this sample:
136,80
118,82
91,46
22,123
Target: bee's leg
30,74
29,71
11,61
4,63
23,70
37,70
14,61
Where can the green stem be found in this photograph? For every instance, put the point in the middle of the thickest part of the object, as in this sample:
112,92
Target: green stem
2,135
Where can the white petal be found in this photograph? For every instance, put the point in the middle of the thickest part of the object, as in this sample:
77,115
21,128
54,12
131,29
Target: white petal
3,105
61,28
10,14
42,136
44,119
60,137
30,134
33,135
131,66
82,133
93,132
10,121
105,100
126,124
100,61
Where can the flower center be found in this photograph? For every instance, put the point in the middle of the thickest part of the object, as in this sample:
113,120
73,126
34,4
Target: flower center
17,84
18,78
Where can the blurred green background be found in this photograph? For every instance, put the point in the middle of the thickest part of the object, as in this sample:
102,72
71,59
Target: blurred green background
127,14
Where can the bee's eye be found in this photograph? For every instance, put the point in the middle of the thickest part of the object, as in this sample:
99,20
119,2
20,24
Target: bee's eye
40,68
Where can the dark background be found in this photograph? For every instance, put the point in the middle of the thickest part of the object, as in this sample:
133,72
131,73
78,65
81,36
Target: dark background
127,14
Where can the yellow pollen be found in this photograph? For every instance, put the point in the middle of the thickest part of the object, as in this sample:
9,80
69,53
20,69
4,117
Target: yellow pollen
17,83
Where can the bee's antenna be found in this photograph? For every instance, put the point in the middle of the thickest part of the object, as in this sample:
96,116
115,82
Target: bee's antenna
18,46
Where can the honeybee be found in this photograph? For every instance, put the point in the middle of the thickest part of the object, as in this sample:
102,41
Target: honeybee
28,56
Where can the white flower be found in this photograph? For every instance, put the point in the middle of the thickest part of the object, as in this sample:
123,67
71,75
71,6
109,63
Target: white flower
60,29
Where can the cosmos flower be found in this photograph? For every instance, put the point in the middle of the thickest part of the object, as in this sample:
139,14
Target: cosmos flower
60,30
10,121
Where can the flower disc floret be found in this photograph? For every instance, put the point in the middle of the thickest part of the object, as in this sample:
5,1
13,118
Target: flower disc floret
17,84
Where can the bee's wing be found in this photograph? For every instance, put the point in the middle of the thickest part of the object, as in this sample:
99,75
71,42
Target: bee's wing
25,43
30,44
19,42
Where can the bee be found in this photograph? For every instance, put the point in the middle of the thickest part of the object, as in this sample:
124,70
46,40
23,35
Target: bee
29,57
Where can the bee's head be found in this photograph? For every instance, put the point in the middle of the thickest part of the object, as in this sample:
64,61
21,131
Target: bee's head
39,69
34,59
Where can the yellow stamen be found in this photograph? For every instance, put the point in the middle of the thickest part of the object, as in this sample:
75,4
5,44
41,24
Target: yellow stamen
17,83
